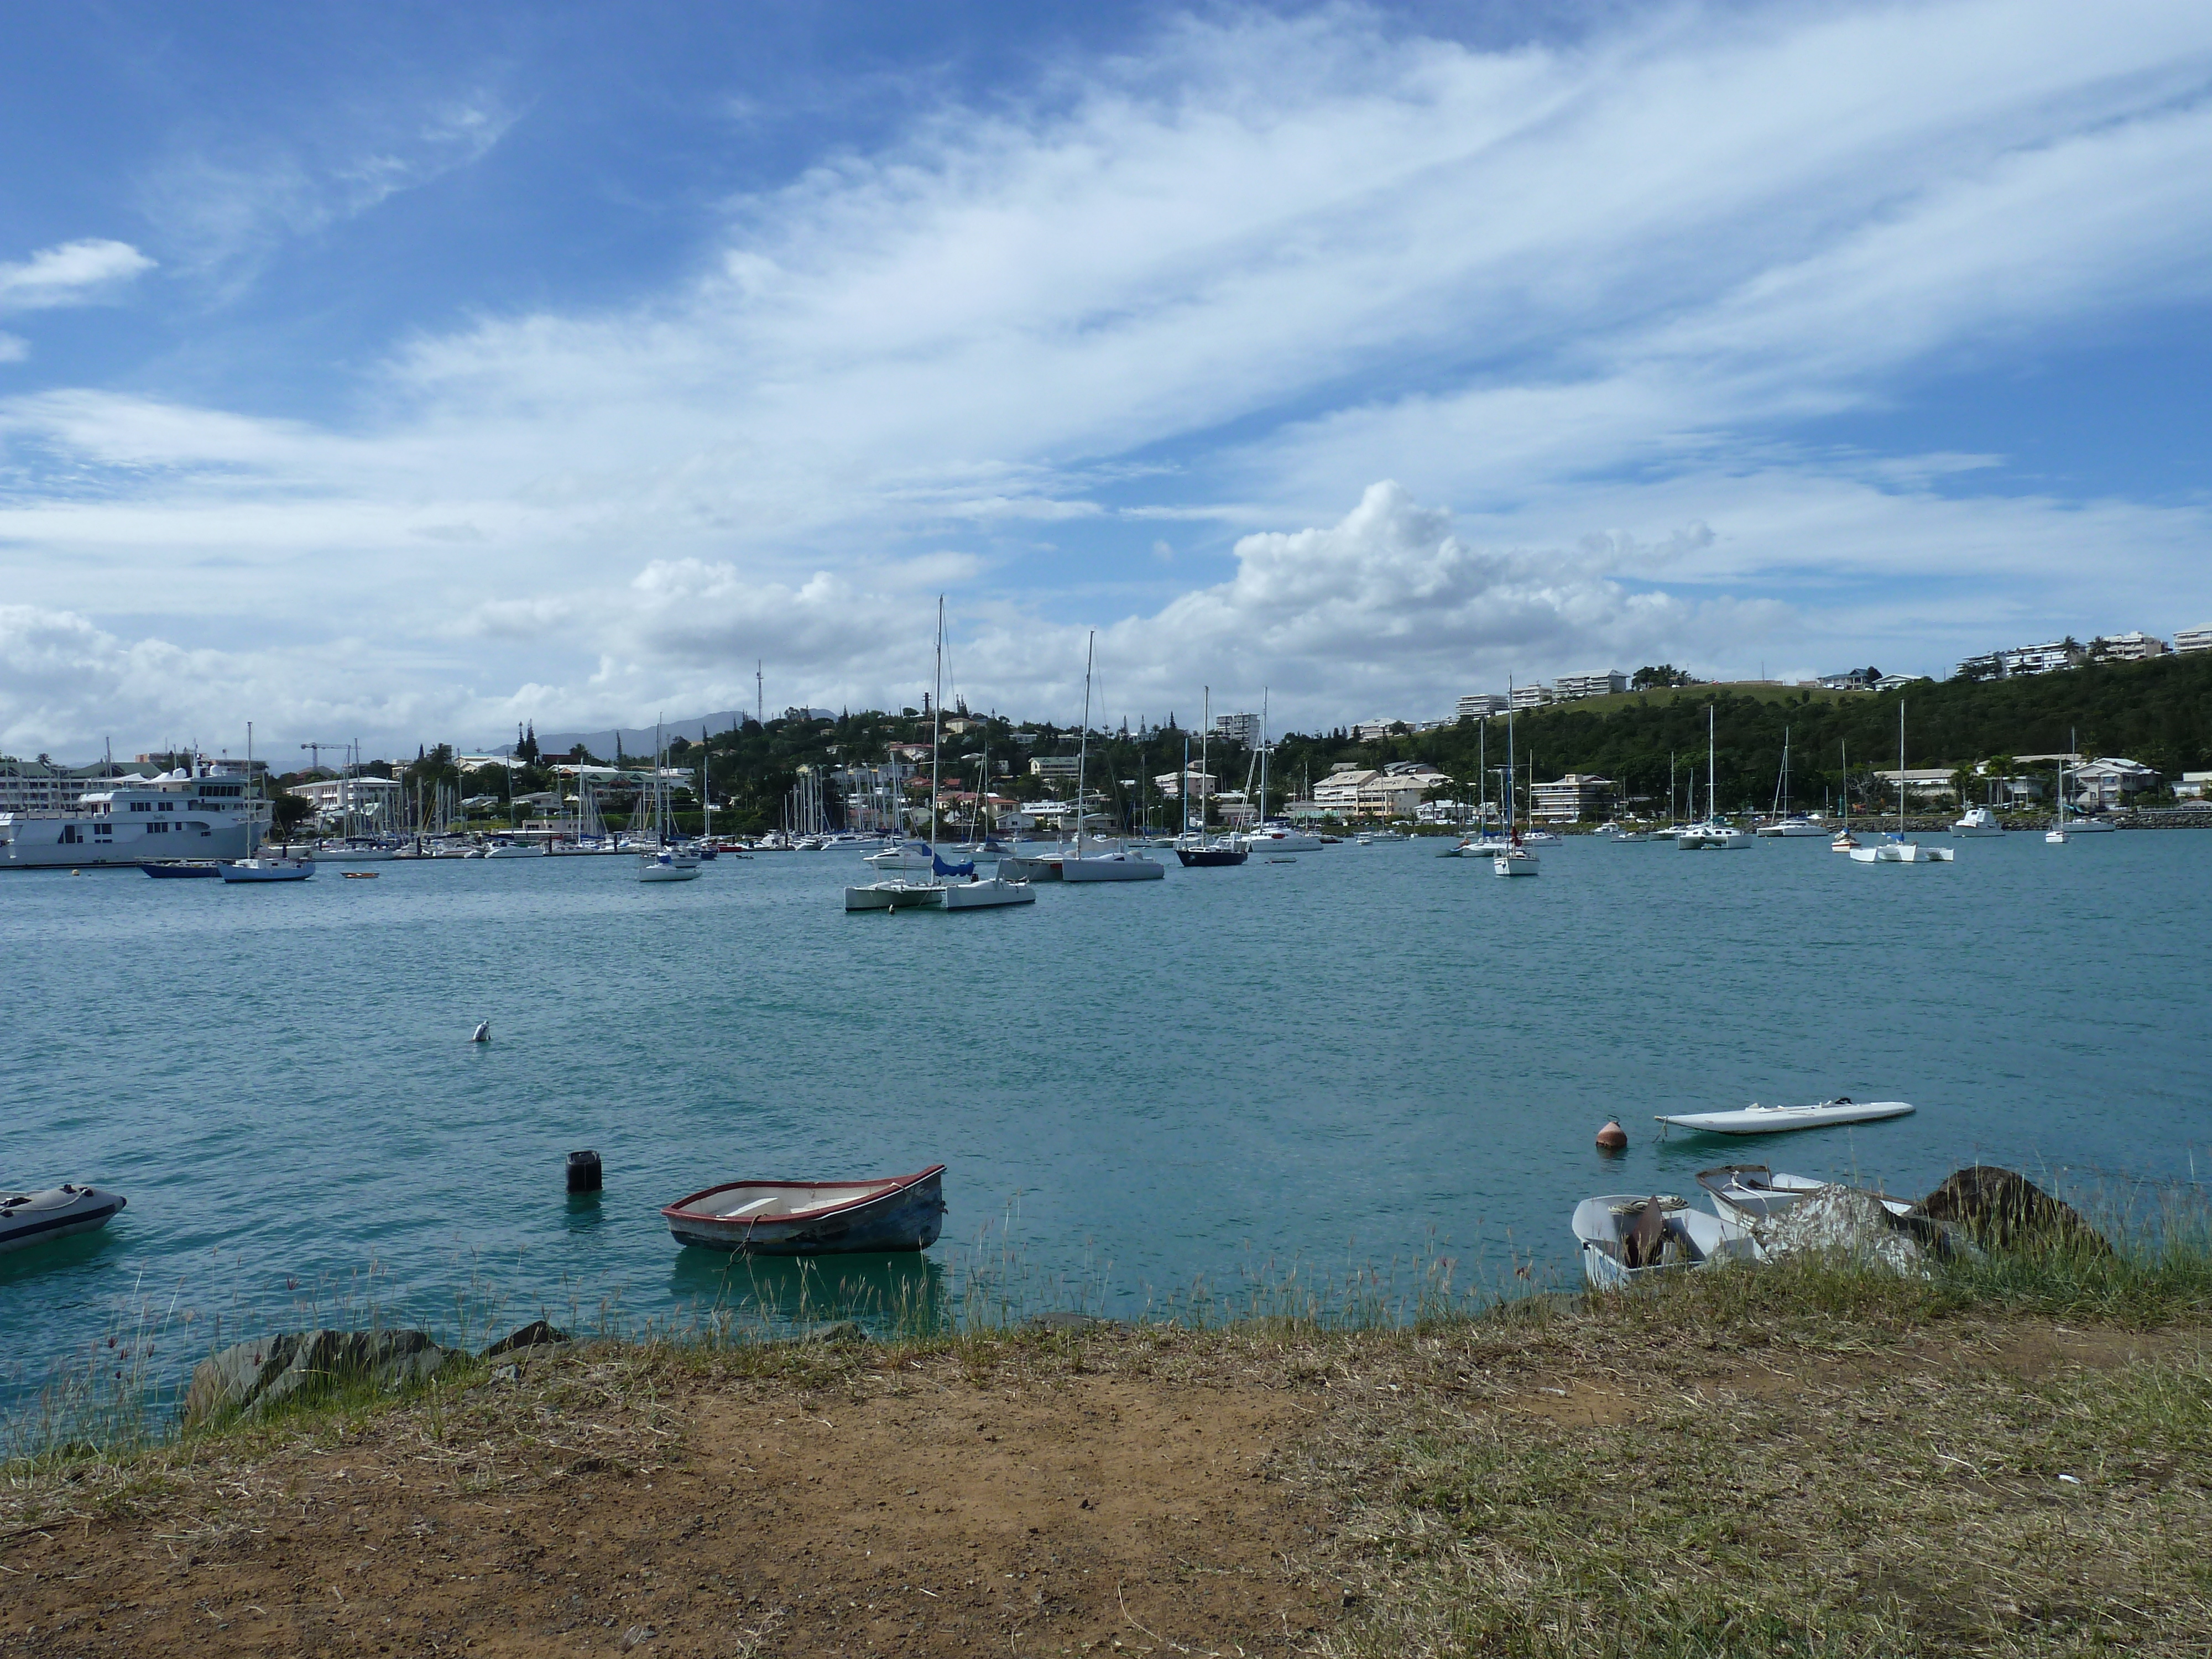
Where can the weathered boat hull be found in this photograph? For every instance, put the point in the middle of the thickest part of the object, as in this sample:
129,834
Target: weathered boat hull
903,1213
29,1219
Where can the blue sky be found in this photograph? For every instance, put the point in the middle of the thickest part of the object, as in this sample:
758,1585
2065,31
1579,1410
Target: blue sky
411,370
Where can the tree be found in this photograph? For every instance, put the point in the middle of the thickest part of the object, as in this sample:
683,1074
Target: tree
287,812
526,750
1657,678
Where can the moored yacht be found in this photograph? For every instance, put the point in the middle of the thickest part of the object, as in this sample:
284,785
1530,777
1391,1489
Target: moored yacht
1978,821
181,814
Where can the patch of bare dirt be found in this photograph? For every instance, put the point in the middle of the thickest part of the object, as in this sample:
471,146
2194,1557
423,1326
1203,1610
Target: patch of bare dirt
1065,1515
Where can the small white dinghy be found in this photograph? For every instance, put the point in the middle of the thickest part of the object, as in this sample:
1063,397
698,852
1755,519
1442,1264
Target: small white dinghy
1626,1237
1758,1120
28,1218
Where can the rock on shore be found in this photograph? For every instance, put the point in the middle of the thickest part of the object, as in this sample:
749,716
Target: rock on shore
251,1377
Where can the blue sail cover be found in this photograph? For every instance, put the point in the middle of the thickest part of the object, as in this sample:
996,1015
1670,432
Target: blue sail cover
940,867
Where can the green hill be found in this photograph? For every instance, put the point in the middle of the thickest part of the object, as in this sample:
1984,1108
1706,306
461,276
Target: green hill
2158,712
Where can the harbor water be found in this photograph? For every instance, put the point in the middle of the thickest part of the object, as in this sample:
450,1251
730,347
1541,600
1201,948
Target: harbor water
1366,1054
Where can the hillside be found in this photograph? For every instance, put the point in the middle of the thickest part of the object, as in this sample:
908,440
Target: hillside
2158,712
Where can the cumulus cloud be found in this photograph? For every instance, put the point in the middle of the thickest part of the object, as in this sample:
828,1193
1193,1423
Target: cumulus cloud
1227,280
70,273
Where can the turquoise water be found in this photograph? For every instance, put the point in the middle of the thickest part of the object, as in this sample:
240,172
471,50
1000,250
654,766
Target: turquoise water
1364,1054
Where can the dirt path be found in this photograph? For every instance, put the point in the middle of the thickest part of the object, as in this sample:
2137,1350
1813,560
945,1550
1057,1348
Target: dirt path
1086,1513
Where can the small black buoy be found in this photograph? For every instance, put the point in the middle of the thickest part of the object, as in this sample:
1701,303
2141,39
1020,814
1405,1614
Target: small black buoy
583,1172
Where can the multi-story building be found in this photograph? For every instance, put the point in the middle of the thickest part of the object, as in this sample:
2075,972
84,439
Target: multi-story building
2100,783
1054,766
1569,686
1392,792
1372,731
2188,641
1201,785
1237,728
1531,696
45,788
1922,782
1480,705
366,800
1570,799
2135,647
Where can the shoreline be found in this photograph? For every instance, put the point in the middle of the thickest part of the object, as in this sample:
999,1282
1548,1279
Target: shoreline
1734,1463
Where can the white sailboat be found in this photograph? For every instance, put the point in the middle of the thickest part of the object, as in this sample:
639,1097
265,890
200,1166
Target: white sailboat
1894,848
1785,823
1713,832
1118,863
1513,858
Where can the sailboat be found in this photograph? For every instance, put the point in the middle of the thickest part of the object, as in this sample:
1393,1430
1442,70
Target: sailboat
1784,821
1513,858
1083,865
664,862
1713,831
943,879
1266,835
1845,840
2080,823
1196,850
1893,848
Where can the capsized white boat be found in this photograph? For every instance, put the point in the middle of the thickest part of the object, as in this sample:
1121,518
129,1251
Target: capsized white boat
1757,1119
28,1218
1626,1237
1751,1194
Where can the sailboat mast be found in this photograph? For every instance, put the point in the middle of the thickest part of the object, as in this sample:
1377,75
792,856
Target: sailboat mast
1263,757
1204,733
1710,812
1900,766
1083,742
936,722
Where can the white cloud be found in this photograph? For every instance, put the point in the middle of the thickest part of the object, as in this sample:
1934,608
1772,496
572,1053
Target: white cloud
14,348
70,273
1227,281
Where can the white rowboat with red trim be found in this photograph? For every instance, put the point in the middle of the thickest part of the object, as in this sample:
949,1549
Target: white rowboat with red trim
814,1218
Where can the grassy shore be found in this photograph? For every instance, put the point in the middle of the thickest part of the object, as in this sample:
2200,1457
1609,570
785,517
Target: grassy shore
2013,1457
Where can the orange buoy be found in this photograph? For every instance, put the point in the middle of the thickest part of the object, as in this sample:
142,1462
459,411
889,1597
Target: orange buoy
1612,1137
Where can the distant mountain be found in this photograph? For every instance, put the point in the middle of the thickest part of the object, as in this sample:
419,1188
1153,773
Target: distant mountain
638,740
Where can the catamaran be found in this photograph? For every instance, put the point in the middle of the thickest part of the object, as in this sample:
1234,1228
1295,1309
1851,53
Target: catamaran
1715,832
1894,848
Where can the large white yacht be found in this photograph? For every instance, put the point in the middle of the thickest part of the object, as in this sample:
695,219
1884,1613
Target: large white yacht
183,814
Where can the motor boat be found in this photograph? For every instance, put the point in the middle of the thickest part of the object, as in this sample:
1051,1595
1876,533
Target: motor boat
1539,838
2088,826
1627,1238
1758,1120
268,869
666,866
1978,821
907,855
515,849
1277,838
813,1217
1795,826
28,1218
1843,843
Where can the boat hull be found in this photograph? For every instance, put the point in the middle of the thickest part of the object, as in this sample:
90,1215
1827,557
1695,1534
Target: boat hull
29,1219
992,893
1114,866
246,871
1778,1120
905,1213
1211,858
1693,1240
895,896
182,871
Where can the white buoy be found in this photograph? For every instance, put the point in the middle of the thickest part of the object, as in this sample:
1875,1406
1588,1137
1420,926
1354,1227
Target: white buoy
482,1033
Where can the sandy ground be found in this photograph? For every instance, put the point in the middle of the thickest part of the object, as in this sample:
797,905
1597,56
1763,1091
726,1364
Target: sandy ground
943,1515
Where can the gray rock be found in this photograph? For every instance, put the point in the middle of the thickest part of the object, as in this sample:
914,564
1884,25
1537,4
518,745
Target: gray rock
536,1334
842,1330
251,1378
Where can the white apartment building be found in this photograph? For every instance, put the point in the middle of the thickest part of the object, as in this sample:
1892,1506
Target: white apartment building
1392,792
2137,646
1201,785
2189,641
1570,799
1237,728
1054,766
1480,705
1922,782
1531,696
1569,686
1371,730
368,800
